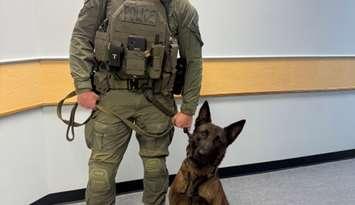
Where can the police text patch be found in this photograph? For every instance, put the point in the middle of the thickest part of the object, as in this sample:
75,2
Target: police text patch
134,13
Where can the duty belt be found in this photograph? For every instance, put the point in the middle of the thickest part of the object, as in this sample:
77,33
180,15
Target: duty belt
134,84
143,86
131,84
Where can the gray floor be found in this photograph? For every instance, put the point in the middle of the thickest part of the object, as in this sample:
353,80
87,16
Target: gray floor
324,184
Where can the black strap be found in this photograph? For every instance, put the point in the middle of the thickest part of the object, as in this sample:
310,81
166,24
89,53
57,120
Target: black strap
166,4
102,12
71,123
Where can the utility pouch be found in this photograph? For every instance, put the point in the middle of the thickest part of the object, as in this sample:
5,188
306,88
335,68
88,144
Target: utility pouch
116,55
136,64
164,83
101,46
101,81
157,84
157,64
89,128
169,74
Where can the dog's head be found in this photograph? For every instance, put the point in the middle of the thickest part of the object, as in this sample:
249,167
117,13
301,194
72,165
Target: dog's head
208,143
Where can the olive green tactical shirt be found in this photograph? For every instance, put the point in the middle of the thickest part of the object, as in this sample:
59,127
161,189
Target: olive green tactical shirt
183,23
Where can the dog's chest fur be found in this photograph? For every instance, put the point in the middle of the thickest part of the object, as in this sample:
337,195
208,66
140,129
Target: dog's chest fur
195,177
196,186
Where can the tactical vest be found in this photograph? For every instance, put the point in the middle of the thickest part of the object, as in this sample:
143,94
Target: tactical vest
135,42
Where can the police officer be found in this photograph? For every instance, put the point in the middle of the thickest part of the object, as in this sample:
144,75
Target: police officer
132,50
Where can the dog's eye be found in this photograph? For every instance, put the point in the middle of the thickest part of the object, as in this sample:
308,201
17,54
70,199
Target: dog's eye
204,134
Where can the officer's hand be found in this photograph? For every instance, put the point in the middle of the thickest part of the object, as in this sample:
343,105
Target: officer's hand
182,120
88,100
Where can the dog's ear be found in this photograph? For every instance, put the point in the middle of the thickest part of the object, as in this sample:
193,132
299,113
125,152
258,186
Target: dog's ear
233,131
204,115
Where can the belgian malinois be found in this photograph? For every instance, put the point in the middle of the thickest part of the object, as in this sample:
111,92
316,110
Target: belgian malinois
197,182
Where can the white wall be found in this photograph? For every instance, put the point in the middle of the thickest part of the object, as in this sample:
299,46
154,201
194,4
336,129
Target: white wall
19,33
37,160
247,28
23,156
57,19
230,28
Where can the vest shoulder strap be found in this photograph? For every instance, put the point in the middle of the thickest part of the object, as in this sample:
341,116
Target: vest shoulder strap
102,12
166,4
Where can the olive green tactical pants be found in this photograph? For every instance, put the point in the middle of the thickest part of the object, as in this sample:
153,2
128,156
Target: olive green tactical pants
108,138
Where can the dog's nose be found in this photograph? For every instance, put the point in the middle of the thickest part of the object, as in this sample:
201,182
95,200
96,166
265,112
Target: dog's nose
202,151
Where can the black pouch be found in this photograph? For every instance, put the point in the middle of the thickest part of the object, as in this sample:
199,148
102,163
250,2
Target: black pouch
180,76
136,43
116,55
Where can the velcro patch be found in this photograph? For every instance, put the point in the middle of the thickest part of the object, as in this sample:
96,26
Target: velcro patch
140,14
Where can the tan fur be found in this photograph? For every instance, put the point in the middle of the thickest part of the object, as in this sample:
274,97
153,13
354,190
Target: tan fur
210,192
197,182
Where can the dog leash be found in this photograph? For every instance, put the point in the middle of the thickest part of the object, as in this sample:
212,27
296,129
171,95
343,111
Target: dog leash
71,124
151,98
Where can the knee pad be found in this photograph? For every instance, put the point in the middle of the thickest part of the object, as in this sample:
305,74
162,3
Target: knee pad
99,180
155,167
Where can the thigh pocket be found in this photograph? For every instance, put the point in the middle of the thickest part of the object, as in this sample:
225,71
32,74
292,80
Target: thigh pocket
93,137
155,147
158,127
89,128
106,137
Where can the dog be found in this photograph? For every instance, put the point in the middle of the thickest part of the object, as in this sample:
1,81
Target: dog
197,182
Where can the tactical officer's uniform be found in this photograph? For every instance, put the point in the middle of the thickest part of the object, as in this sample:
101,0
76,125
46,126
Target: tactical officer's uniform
132,51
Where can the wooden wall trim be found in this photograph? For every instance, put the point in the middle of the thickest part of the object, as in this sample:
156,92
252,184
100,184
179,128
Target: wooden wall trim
250,76
29,85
